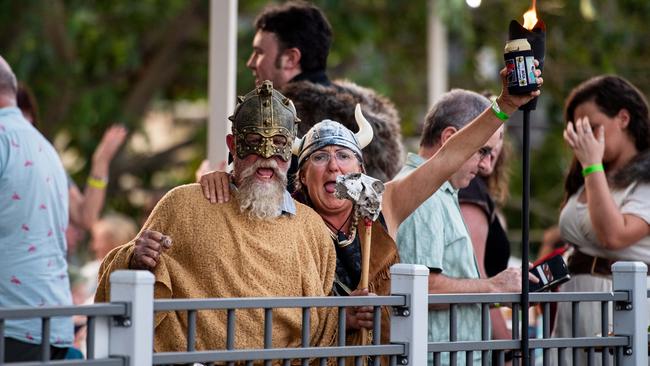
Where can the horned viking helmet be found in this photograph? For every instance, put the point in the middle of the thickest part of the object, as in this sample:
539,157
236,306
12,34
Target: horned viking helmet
261,119
328,132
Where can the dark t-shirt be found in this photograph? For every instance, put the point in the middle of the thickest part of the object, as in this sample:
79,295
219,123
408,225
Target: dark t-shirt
497,246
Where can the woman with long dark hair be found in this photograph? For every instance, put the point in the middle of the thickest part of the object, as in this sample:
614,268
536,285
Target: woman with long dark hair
606,211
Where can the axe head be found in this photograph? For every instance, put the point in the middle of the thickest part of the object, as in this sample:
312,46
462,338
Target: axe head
364,191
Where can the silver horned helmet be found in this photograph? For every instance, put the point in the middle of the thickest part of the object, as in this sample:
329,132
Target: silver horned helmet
264,123
328,132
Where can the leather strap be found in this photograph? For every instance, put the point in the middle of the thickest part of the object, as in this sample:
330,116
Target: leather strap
581,263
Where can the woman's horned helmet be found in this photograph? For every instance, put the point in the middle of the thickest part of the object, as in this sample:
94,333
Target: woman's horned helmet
328,132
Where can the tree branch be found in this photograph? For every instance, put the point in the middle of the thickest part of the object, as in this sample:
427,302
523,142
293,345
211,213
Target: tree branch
141,165
163,66
54,29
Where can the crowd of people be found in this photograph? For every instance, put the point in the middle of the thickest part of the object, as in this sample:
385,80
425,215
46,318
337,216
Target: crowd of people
272,224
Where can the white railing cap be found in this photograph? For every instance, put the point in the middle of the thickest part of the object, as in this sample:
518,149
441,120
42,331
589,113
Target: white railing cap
409,269
132,277
629,267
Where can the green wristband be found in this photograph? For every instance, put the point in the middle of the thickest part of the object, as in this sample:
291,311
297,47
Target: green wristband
593,168
497,112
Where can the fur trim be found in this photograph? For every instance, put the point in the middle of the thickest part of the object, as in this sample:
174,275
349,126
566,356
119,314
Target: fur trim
636,170
315,102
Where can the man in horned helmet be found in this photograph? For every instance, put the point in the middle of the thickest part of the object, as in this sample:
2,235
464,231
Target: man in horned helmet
239,249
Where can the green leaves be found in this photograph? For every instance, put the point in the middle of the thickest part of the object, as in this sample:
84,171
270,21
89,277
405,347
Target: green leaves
92,63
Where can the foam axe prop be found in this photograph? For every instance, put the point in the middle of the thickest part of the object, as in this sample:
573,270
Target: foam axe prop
365,193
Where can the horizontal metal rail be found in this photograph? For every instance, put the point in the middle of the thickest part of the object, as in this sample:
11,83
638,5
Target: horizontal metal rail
582,342
231,304
25,312
533,297
276,302
117,361
160,358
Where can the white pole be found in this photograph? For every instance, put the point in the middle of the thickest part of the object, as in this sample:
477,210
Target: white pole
222,76
410,326
437,55
631,319
134,337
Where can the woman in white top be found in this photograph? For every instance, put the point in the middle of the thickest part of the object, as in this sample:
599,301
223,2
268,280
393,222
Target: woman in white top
606,212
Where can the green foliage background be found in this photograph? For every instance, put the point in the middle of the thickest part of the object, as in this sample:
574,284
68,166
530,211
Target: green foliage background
91,63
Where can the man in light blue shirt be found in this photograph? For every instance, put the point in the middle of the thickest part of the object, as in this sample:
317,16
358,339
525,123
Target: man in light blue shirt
33,220
435,234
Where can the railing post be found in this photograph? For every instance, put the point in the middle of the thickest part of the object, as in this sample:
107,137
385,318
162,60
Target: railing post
102,333
631,318
409,324
132,336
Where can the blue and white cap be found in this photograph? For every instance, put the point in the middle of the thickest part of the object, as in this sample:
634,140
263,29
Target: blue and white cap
328,132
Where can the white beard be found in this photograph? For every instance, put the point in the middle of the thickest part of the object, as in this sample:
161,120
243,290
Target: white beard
261,200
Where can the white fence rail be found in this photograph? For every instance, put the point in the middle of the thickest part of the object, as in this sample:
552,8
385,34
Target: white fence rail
120,333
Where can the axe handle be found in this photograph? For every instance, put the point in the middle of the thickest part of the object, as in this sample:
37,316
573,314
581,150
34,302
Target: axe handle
365,254
365,267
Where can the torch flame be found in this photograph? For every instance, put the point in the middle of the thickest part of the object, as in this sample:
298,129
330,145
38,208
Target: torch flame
530,17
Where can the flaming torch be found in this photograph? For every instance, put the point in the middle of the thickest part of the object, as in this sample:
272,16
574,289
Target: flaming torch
534,32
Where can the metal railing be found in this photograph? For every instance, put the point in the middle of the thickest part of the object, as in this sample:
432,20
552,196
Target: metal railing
97,315
630,311
120,333
304,353
485,345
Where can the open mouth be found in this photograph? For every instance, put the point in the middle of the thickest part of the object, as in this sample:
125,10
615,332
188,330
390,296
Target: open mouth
330,186
264,173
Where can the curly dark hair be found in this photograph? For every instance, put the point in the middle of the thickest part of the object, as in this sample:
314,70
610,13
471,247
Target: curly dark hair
301,25
611,94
